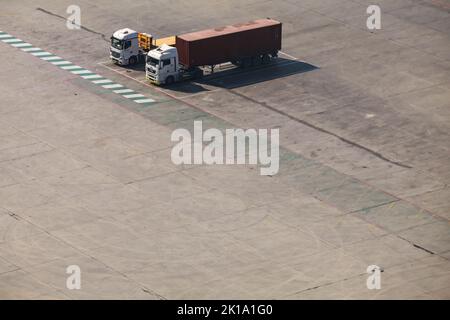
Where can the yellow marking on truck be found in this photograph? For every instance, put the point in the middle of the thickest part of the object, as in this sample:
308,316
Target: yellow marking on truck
170,41
144,40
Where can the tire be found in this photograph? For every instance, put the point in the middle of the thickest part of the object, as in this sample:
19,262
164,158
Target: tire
265,59
169,80
132,60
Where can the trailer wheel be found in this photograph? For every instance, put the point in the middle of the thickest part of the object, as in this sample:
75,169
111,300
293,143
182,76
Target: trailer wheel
132,60
265,59
169,80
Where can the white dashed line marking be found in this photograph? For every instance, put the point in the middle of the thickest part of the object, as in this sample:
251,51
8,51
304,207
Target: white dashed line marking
102,81
40,54
144,100
74,69
112,86
81,72
60,63
131,96
123,91
92,76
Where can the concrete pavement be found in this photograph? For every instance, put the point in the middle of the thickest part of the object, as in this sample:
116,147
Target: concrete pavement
86,177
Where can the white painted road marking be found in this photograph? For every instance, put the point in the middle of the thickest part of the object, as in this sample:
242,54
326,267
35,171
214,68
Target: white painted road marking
71,67
137,95
102,81
123,91
21,45
74,69
81,72
31,49
112,86
41,53
144,100
12,40
51,58
92,76
60,63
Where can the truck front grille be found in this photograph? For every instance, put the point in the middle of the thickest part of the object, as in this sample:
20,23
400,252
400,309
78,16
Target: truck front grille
115,54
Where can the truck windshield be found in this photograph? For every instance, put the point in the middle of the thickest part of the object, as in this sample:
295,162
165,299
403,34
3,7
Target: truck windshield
152,61
116,43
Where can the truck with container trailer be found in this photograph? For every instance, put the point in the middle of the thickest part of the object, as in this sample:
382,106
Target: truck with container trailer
243,44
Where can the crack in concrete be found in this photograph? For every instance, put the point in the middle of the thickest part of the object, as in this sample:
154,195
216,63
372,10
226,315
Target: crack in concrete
352,143
422,248
65,19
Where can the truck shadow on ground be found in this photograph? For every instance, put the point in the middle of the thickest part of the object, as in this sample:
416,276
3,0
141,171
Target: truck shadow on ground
234,77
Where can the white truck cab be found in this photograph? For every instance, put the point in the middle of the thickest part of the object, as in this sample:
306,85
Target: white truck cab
162,65
125,48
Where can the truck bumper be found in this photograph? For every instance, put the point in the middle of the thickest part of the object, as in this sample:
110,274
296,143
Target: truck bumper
117,60
151,80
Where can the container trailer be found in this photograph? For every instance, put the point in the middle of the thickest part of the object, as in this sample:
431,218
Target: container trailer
242,44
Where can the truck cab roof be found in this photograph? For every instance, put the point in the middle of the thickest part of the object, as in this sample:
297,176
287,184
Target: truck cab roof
162,52
125,34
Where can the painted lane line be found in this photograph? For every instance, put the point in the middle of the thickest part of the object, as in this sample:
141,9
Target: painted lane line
61,63
51,58
131,96
42,53
31,49
112,86
84,71
72,67
13,40
123,91
102,81
92,76
144,100
21,45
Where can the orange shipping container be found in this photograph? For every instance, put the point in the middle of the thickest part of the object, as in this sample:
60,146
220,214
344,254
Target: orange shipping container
230,43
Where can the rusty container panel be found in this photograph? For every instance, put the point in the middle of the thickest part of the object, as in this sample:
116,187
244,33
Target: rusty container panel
224,44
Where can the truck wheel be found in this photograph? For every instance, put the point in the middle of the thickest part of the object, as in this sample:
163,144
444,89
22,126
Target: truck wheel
132,60
169,80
